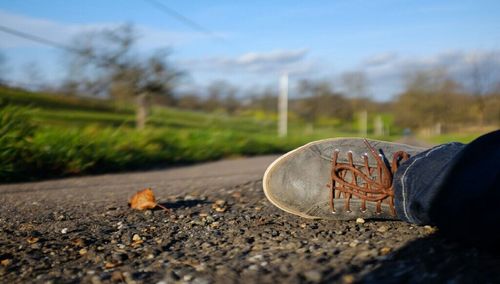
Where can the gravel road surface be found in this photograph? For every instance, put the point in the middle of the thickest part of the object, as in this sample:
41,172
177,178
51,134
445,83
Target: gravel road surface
222,230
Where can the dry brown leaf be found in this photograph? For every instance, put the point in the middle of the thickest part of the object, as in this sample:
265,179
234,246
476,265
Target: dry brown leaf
144,199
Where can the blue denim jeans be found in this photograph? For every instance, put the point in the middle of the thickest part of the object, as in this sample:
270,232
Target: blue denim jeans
454,186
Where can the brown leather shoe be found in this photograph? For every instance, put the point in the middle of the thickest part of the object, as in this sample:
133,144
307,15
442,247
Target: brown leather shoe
340,179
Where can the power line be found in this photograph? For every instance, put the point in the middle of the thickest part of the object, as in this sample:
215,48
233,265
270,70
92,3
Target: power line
38,39
181,18
49,42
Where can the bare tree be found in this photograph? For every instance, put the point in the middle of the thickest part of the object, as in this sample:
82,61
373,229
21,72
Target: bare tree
265,100
155,77
483,76
320,100
108,64
158,76
356,86
189,100
231,103
308,106
104,57
492,110
222,95
431,98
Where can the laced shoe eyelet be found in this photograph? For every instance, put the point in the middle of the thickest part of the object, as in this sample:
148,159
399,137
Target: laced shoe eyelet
364,182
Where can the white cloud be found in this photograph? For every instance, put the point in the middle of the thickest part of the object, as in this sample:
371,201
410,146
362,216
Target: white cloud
380,59
277,56
63,32
291,61
454,62
458,64
449,60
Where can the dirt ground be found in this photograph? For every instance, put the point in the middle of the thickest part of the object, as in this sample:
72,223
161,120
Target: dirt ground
221,230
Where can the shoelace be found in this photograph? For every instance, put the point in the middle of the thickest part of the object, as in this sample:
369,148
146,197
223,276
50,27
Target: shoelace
375,188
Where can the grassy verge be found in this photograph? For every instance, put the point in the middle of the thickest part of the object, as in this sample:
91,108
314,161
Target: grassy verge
44,137
454,137
33,150
10,96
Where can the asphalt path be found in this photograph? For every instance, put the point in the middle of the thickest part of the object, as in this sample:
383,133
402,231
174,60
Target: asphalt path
194,179
221,230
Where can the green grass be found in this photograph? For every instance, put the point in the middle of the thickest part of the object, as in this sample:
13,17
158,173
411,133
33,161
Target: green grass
43,136
10,96
453,137
71,118
33,151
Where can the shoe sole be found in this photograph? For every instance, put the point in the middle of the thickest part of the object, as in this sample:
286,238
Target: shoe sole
276,164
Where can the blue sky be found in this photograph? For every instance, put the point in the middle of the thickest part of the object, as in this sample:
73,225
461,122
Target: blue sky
261,39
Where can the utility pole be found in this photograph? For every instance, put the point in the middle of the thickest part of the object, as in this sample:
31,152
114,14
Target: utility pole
283,106
363,123
378,126
143,105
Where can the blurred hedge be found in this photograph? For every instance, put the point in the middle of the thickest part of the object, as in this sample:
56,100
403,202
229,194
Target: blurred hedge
29,151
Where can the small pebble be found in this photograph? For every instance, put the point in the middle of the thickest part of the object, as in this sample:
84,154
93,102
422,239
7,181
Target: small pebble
360,221
253,267
313,276
32,240
385,250
429,229
117,277
354,243
348,279
256,258
382,229
196,245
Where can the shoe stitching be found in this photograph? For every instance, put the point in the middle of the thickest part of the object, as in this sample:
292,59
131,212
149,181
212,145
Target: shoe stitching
343,159
403,180
410,150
